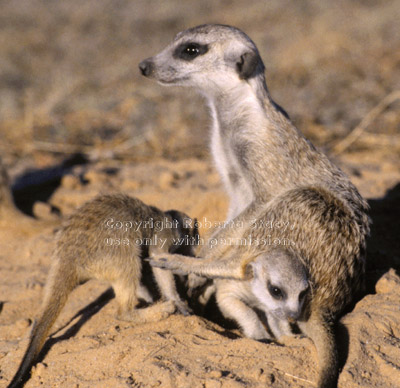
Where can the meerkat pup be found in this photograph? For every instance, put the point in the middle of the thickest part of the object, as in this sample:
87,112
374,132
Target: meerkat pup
265,161
106,239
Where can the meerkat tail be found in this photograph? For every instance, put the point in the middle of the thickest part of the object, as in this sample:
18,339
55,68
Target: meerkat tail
60,284
322,334
184,265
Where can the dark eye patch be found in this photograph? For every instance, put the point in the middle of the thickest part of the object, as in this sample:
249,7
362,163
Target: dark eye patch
190,50
276,292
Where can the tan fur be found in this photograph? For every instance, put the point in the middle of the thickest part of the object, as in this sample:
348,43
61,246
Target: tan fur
83,252
272,172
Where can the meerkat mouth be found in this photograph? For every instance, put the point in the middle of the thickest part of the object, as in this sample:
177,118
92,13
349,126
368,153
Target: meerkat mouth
175,81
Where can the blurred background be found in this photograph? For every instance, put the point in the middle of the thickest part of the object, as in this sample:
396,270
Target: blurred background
69,80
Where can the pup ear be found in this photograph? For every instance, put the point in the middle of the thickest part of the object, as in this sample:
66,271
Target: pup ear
249,268
247,65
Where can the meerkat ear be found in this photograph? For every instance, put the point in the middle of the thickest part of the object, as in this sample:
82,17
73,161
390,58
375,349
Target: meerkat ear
249,268
247,65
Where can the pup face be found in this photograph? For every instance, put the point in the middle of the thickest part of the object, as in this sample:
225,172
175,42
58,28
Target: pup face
280,283
208,57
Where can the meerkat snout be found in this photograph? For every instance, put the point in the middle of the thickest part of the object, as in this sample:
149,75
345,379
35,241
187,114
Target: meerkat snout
146,67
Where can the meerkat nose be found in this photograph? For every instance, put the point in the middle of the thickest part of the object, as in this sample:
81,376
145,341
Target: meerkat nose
146,67
293,316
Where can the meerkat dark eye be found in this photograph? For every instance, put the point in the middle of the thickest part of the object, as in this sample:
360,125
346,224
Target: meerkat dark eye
189,51
276,292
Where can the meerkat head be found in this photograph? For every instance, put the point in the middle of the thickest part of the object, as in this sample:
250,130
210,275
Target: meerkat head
207,57
280,283
187,229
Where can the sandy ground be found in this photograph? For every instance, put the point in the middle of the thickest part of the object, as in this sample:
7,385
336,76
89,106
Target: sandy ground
80,91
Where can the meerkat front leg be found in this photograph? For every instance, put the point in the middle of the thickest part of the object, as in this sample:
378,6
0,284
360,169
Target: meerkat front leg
231,304
278,327
143,293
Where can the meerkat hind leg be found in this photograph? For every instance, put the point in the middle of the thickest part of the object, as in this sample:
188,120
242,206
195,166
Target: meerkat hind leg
166,283
125,294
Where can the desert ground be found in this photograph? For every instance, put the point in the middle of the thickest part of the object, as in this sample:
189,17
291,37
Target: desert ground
77,119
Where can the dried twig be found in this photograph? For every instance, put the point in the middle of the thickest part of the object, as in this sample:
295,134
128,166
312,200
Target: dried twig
360,128
299,378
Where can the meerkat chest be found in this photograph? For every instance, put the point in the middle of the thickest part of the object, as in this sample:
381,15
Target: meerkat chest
231,171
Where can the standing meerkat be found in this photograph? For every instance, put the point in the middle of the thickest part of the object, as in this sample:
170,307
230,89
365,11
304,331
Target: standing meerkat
265,161
106,239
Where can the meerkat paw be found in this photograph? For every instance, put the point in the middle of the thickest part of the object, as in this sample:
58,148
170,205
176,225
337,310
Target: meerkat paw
152,313
166,308
195,281
183,308
164,262
254,329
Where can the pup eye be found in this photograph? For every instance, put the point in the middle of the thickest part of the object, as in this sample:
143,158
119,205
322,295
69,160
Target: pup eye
276,292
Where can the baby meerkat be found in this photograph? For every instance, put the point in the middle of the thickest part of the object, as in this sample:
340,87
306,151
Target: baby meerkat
265,162
106,239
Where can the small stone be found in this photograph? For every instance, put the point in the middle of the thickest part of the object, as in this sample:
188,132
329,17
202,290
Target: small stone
216,374
389,282
39,369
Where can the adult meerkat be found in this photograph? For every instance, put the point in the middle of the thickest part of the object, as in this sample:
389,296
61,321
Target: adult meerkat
265,161
106,239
